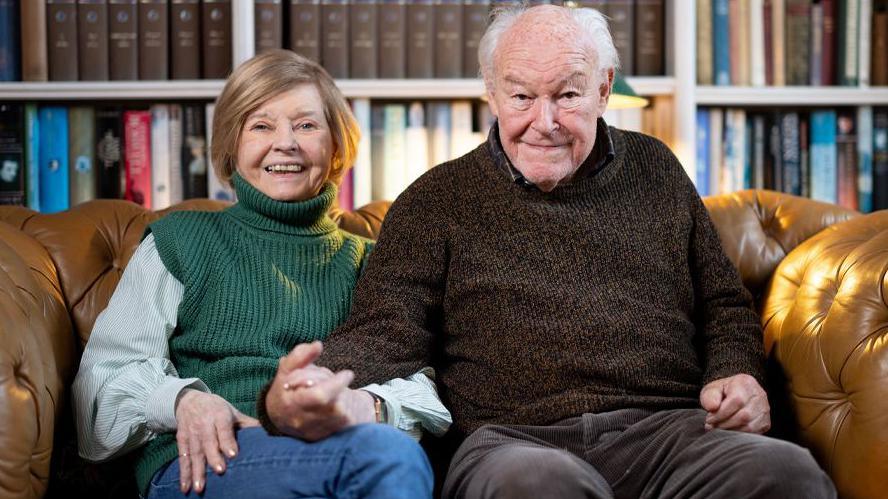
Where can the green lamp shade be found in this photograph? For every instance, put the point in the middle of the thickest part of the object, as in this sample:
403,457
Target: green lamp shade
623,97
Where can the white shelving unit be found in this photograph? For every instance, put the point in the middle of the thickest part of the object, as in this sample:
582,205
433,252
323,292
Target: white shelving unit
680,48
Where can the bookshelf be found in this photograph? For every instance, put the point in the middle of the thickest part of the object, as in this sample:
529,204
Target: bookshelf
791,96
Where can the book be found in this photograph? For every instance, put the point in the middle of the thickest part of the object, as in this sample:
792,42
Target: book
864,43
721,52
216,188
334,37
879,57
438,122
649,31
759,150
194,152
702,152
420,39
109,152
824,163
137,156
756,43
417,139
880,158
305,28
92,39
392,16
269,29
394,161
82,176
153,40
774,156
32,156
362,39
848,40
742,59
34,39
216,24
12,154
176,191
61,33
846,138
377,152
622,26
362,184
474,24
804,155
448,39
462,138
798,41
160,156
53,158
778,42
865,158
792,167
704,42
123,39
828,61
815,63
185,40
10,42
717,144
767,26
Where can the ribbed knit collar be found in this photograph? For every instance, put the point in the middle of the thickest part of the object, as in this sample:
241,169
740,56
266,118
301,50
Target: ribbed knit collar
307,218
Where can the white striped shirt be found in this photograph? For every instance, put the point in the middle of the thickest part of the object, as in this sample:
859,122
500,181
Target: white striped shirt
125,392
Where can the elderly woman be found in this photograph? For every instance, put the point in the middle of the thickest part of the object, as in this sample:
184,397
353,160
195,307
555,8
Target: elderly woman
211,302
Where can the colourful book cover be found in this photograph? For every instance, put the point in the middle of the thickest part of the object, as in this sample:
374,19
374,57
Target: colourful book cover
53,159
865,158
32,156
82,154
702,151
12,154
137,154
823,156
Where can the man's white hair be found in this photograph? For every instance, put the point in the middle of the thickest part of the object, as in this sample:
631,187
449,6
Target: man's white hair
589,21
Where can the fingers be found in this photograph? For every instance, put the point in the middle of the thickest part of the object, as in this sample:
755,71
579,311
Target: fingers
325,392
227,442
197,461
244,421
306,377
301,356
184,462
711,396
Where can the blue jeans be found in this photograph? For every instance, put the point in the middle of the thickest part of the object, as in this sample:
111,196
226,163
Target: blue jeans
371,461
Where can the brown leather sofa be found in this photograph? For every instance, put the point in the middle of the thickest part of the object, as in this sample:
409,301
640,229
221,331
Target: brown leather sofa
818,273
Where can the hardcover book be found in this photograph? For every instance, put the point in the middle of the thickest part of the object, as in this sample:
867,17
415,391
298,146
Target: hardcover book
153,40
123,39
186,39
92,36
61,32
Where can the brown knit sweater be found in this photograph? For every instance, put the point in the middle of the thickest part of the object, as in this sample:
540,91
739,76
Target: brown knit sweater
532,307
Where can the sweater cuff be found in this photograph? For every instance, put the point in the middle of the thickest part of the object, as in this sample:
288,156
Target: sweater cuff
262,414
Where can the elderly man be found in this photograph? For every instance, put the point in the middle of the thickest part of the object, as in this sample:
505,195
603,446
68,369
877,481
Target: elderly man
588,333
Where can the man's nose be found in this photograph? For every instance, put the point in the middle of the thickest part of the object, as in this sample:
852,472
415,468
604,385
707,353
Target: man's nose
546,116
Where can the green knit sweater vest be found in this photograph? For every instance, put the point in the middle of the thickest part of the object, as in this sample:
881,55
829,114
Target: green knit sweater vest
259,278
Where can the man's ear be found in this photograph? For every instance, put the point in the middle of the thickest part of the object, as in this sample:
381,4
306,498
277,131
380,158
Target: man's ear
491,101
604,91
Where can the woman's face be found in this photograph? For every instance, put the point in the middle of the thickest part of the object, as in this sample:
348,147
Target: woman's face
286,147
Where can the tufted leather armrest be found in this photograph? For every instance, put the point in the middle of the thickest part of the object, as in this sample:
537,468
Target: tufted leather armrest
36,362
758,228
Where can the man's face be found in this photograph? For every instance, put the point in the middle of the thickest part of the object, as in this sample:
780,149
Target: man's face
547,98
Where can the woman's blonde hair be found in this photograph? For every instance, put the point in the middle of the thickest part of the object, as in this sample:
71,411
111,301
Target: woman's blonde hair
263,77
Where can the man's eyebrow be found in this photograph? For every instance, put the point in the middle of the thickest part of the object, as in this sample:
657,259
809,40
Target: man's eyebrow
575,79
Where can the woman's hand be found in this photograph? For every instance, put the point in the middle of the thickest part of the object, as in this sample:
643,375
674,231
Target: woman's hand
205,431
311,402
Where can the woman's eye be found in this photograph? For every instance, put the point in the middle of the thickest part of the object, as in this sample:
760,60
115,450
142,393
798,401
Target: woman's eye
259,127
306,126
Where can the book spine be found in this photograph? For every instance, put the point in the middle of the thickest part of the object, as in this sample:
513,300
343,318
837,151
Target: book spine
61,34
305,28
804,155
778,38
756,43
153,40
216,24
186,39
392,34
53,159
363,28
194,153
849,11
461,138
704,42
160,156
269,28
823,156
702,150
420,39
92,37
759,148
798,41
362,177
828,62
846,139
32,156
334,31
789,135
880,158
622,23
123,39
474,24
439,131
35,62
767,14
865,158
12,154
10,41
864,45
722,46
377,151
81,155
395,146
109,153
879,58
417,137
815,64
137,154
448,38
174,152
216,188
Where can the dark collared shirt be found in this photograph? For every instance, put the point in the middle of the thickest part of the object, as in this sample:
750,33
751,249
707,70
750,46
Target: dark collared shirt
602,154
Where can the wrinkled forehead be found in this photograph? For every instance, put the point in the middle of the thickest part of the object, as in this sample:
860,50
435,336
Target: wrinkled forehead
533,41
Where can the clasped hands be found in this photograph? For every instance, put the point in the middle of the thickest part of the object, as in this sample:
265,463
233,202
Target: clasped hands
736,403
304,401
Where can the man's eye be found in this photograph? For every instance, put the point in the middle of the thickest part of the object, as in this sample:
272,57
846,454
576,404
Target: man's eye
570,95
520,97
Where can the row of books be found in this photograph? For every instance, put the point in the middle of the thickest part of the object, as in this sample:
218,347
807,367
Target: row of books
54,157
832,155
792,42
431,38
94,40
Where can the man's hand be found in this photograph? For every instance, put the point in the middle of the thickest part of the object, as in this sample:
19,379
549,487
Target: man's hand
311,402
205,431
736,403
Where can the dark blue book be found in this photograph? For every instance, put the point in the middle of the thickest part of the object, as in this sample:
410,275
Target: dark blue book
12,157
10,42
792,166
880,158
721,45
703,151
53,159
